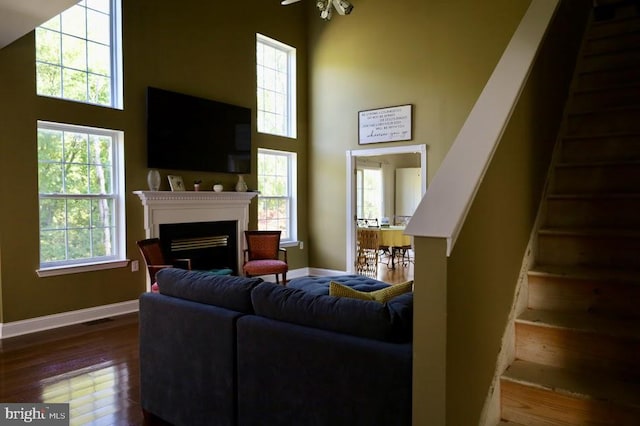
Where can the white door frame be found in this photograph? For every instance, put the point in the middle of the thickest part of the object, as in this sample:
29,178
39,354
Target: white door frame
352,156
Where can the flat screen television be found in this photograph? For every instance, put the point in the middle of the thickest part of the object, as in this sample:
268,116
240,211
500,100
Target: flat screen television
186,132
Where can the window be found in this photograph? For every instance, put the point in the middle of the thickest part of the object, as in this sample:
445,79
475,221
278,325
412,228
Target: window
276,65
369,193
78,54
277,189
80,178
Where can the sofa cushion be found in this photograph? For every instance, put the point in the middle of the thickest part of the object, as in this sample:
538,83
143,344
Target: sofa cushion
320,285
383,295
226,291
390,321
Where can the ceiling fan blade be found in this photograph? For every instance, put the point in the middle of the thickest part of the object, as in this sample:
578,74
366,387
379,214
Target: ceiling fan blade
286,2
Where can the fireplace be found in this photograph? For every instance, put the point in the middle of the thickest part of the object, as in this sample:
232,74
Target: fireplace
201,209
209,245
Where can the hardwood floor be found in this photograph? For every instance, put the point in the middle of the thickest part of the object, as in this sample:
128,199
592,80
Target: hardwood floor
92,366
402,272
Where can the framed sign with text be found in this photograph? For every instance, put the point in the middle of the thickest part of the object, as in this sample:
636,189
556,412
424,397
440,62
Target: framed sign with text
385,124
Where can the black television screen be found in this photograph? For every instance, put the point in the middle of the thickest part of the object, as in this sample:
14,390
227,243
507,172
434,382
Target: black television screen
190,133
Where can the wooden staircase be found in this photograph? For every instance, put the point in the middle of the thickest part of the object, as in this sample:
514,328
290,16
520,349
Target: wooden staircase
578,343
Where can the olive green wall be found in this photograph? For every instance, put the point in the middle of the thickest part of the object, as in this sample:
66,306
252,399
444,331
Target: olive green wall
436,55
204,48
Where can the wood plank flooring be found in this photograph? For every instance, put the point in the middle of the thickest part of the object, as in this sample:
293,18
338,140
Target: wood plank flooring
92,366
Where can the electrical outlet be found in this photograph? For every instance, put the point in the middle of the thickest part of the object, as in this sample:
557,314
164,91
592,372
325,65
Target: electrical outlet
135,265
301,245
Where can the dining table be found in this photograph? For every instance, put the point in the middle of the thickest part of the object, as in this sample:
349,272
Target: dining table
394,238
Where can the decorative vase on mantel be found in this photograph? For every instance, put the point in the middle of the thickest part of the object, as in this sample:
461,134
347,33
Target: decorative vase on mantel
241,186
153,180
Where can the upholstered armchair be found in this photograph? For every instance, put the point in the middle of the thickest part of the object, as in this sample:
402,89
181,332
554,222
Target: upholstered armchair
263,255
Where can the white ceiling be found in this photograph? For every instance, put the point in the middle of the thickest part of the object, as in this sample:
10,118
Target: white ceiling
18,17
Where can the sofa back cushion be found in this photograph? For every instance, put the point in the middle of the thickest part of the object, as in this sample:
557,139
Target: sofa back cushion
226,291
391,321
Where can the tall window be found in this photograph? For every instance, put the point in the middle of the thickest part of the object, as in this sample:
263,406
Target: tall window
276,71
369,193
277,186
78,54
79,184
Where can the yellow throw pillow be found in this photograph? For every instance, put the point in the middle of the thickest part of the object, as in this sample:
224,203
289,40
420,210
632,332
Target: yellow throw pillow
383,295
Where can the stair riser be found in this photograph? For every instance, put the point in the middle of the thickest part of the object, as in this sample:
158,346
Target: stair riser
607,78
561,250
533,406
596,179
627,59
609,148
614,97
575,350
595,213
613,28
616,43
584,295
605,122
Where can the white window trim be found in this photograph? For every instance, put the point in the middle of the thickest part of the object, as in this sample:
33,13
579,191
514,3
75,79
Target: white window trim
292,129
292,241
120,260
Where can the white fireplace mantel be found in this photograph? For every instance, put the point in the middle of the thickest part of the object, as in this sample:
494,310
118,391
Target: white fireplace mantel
162,207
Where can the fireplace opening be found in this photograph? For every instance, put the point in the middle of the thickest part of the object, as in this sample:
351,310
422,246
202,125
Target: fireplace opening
209,245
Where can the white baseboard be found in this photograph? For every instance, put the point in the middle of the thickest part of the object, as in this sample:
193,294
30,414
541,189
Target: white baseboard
32,325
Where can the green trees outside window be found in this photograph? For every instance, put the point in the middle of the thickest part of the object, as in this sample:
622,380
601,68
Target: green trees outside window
76,185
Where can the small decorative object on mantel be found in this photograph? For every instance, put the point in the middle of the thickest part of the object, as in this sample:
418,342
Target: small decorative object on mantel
196,185
176,183
153,180
218,187
241,186
385,124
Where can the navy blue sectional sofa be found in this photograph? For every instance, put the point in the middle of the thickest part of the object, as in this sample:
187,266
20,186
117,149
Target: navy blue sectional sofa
224,350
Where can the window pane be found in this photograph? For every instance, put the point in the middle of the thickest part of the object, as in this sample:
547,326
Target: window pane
98,27
52,24
79,244
103,6
48,46
52,214
102,213
74,52
49,80
99,59
52,246
74,84
74,21
99,89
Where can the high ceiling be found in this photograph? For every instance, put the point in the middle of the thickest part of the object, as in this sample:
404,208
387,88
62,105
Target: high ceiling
18,17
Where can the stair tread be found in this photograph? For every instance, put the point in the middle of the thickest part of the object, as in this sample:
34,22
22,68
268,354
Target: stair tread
582,272
608,163
605,110
588,386
603,135
591,232
628,328
595,196
605,88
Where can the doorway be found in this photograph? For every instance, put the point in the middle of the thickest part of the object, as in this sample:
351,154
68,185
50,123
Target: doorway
356,156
